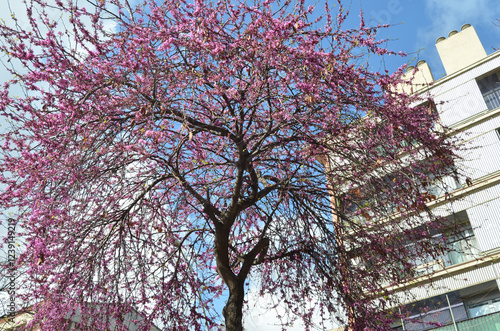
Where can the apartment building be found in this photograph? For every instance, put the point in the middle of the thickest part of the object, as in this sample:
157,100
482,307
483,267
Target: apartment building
460,289
19,321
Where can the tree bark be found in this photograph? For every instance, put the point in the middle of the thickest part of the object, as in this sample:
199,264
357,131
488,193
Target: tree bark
233,310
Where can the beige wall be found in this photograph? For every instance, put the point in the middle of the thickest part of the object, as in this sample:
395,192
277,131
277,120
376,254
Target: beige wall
416,79
460,50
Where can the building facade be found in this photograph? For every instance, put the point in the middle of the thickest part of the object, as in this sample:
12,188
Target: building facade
20,320
460,290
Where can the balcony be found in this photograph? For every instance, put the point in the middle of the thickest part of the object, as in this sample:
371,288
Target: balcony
490,89
462,248
492,99
475,308
481,323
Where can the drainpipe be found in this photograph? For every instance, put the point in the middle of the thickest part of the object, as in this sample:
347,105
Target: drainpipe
402,320
497,279
451,312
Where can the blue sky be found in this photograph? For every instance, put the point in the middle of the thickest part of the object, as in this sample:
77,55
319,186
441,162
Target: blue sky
416,24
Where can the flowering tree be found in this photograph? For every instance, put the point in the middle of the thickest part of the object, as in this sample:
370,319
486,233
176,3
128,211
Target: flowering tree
162,160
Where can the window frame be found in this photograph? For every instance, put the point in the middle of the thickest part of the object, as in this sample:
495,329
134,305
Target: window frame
482,83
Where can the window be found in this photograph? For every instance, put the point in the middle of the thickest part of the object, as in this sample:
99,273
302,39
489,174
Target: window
427,314
484,308
461,246
356,206
475,301
490,89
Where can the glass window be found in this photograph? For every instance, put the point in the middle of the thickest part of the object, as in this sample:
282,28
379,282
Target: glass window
484,308
463,247
429,313
490,89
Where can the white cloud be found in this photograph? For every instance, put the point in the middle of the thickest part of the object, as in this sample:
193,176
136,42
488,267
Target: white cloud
263,313
260,315
448,15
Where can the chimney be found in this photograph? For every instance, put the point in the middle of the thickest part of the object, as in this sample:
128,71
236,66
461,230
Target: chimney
420,79
460,49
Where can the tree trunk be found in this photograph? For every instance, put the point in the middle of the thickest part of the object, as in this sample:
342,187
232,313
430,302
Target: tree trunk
233,310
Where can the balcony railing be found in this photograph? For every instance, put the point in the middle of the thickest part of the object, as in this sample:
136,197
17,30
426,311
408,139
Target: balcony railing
492,99
462,250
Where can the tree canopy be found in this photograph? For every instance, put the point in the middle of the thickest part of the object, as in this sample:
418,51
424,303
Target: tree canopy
165,153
